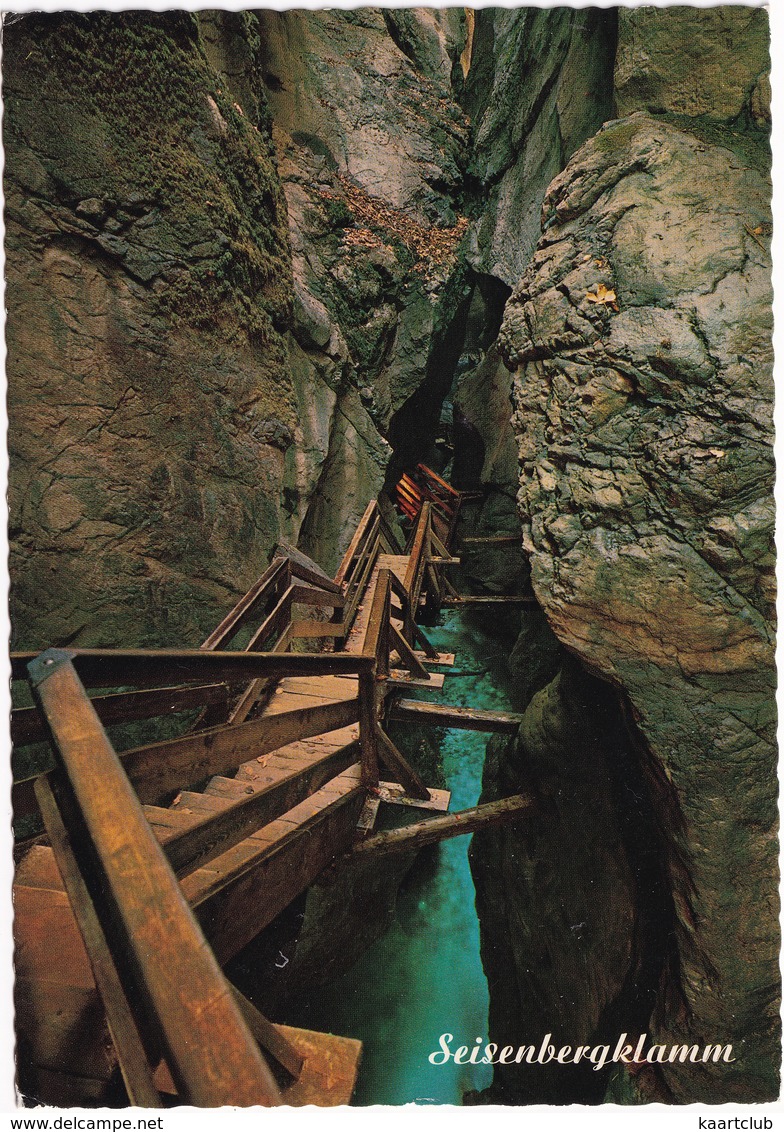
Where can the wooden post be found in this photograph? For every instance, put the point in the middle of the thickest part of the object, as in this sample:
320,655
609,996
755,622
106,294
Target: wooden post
208,1047
367,728
134,1066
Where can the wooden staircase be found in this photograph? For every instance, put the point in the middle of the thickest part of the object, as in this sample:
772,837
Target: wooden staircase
153,853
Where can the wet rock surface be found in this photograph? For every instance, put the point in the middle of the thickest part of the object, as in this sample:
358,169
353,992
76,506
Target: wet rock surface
640,339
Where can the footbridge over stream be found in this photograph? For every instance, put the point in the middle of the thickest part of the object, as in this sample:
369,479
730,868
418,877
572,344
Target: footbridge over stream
159,863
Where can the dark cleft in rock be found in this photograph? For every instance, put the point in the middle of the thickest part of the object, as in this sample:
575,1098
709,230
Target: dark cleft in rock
640,340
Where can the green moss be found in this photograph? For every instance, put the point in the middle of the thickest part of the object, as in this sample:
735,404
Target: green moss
132,111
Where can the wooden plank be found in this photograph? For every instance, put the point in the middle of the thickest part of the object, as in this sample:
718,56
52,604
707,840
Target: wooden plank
160,768
136,1072
236,897
435,680
464,718
190,849
431,475
329,1073
207,1045
122,707
428,832
329,1069
394,795
270,1037
400,767
243,610
148,667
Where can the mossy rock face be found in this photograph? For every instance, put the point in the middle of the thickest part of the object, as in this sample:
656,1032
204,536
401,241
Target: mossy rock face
149,292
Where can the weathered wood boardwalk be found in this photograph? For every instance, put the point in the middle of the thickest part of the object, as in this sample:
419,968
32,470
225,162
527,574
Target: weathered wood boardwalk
161,862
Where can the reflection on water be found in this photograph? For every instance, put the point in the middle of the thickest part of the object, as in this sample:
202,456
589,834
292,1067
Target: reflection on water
424,977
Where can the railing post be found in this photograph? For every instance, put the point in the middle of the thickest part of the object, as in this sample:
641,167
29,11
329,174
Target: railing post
367,727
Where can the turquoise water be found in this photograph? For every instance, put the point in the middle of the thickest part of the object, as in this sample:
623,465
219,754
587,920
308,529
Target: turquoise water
424,977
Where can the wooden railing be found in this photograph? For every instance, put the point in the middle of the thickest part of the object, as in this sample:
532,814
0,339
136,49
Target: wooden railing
426,486
372,537
163,990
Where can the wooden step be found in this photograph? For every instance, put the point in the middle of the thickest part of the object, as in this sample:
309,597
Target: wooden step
242,891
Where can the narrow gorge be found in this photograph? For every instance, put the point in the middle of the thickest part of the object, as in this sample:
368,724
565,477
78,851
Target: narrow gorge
260,264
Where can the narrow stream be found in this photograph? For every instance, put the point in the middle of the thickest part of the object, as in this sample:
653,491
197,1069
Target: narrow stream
424,977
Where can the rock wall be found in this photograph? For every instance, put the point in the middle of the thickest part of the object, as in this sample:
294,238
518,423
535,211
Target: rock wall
372,147
149,291
640,340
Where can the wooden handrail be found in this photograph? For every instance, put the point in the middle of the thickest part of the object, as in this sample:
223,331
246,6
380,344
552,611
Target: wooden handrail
376,641
359,534
417,557
245,607
122,707
170,975
111,668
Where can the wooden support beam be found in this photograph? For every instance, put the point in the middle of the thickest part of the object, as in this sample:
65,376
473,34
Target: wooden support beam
368,724
208,1047
407,655
432,830
492,540
367,819
464,718
158,769
270,1037
400,767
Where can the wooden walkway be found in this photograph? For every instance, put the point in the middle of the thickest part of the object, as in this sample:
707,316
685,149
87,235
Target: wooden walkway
208,836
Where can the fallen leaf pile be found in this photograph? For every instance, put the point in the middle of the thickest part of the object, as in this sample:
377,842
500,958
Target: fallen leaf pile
429,244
